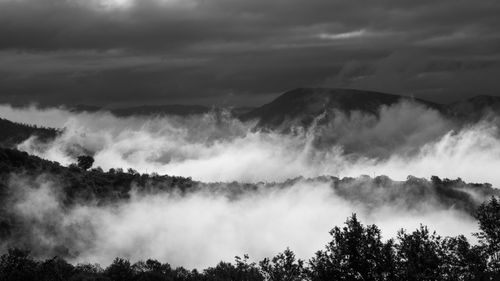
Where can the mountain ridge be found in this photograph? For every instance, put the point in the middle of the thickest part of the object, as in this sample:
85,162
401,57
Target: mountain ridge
310,102
301,105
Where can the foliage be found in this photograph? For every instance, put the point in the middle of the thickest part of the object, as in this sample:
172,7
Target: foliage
419,255
355,252
85,162
488,216
15,133
283,267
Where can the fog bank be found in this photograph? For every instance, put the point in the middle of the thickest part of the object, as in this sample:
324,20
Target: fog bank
200,228
403,139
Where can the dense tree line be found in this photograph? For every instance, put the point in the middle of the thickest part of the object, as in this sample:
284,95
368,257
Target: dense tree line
81,182
355,252
15,133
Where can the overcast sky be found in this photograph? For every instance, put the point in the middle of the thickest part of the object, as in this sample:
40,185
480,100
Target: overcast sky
243,52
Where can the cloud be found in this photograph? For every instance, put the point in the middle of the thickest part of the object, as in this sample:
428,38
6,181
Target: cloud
404,139
345,35
415,72
238,46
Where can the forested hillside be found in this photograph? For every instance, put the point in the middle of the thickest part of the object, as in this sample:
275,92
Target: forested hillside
12,133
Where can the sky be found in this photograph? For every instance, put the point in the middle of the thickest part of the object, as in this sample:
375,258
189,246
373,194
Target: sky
243,52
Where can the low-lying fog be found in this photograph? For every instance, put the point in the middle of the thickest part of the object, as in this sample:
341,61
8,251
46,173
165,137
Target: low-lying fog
406,139
200,228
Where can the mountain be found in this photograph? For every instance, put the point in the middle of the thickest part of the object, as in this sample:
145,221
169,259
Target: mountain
304,104
15,133
298,107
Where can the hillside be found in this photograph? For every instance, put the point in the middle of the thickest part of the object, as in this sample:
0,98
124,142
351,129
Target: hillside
15,133
303,104
300,106
80,184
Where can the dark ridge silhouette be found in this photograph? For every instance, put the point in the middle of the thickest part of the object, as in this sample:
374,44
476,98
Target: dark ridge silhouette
145,110
84,107
12,133
307,103
310,102
159,110
300,106
174,109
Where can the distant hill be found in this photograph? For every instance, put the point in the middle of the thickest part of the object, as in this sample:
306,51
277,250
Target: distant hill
298,107
304,104
15,133
174,109
159,110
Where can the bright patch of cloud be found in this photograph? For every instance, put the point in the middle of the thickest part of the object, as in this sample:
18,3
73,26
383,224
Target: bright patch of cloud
344,35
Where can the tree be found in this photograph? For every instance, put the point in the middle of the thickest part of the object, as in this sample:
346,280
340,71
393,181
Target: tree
152,270
488,216
55,269
283,267
88,272
120,270
419,255
461,261
242,271
85,162
17,265
355,253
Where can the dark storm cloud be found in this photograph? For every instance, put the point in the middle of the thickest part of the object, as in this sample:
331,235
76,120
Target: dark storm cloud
113,52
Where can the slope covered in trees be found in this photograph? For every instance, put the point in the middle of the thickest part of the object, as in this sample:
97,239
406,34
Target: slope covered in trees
84,183
14,133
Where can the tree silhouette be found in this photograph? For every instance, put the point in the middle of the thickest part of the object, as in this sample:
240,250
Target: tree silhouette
283,267
243,270
488,216
85,162
419,255
17,265
461,261
55,269
120,270
355,253
152,270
